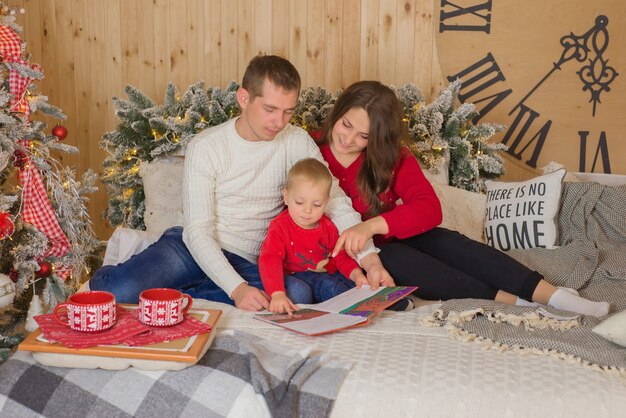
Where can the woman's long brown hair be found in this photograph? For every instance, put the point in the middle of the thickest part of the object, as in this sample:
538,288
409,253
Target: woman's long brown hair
387,132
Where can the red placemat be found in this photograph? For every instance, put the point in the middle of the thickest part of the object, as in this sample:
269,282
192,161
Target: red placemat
188,327
125,327
127,330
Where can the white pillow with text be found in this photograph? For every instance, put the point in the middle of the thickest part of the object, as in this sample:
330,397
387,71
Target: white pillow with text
521,215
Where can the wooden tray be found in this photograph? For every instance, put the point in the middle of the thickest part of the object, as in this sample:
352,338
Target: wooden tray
172,355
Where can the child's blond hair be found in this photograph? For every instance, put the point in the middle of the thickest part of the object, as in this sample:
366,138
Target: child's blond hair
309,169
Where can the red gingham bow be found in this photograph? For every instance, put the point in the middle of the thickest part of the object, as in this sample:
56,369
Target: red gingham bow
37,211
17,86
11,51
10,44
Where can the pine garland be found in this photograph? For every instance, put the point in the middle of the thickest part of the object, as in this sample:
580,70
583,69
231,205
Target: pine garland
147,131
440,132
314,105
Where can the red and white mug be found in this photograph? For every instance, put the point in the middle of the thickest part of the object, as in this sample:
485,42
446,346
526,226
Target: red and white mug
163,307
88,311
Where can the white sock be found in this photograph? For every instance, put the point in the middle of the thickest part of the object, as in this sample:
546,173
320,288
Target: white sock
563,299
569,289
524,302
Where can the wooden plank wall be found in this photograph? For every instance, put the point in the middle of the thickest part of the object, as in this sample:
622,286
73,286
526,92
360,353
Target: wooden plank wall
91,49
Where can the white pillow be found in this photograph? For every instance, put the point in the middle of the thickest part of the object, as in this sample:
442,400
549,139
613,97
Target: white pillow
163,184
126,242
521,215
613,328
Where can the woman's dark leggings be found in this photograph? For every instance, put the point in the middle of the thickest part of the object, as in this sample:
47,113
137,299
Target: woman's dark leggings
445,264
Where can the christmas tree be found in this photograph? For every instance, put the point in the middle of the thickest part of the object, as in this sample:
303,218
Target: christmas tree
441,135
46,237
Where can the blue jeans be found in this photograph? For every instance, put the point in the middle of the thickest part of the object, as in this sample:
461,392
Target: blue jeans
168,263
312,287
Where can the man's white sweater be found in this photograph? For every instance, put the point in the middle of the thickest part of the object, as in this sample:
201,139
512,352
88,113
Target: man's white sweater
232,190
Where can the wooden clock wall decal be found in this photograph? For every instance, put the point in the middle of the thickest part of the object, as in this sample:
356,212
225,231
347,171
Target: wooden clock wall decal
553,71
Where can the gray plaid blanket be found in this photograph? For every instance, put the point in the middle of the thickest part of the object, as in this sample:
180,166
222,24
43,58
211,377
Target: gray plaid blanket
240,376
591,258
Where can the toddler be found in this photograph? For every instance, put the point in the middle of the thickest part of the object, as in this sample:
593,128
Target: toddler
295,261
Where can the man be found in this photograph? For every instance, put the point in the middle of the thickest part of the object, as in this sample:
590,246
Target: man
234,175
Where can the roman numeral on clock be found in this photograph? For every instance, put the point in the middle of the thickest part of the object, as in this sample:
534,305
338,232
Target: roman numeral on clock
601,150
528,117
455,13
476,78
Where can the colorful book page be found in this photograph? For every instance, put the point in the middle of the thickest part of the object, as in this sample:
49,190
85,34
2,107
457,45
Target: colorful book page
346,310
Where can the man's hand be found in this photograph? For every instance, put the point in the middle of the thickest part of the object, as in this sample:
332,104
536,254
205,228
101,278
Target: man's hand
377,275
280,303
250,298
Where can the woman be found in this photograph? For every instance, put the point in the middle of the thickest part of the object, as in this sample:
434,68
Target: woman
362,145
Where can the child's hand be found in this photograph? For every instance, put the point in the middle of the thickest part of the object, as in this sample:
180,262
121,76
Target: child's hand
280,303
378,276
358,278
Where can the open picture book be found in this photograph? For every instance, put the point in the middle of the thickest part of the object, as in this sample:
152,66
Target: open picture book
346,310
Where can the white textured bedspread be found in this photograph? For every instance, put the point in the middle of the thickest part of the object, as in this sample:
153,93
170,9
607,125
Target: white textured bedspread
405,369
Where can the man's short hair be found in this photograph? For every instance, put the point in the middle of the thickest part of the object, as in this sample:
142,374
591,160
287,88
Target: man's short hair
276,69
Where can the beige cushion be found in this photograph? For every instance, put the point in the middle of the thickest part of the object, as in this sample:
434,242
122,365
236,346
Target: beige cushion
463,211
163,183
553,166
440,177
602,178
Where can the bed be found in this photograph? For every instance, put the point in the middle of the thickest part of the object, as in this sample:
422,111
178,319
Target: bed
398,367
403,368
457,358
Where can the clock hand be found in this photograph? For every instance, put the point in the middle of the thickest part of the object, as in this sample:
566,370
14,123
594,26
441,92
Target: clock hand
597,75
576,47
545,77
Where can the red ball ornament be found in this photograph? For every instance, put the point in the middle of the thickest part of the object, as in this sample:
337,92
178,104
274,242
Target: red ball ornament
60,132
14,275
7,227
45,269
